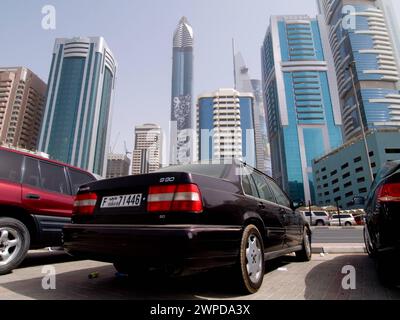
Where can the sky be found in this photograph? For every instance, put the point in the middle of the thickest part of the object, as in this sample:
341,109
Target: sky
139,33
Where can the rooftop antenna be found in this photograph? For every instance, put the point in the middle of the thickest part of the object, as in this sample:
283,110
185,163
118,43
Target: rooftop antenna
234,63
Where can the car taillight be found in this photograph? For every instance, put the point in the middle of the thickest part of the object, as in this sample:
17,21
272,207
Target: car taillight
85,203
389,192
181,197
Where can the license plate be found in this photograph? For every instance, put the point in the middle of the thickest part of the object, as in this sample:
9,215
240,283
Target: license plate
123,201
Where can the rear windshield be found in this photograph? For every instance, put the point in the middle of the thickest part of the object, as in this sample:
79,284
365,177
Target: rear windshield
211,170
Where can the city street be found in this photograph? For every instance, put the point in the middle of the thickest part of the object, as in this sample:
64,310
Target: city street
338,235
285,279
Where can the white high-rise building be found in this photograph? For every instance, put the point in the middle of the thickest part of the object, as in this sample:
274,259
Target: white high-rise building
146,157
225,126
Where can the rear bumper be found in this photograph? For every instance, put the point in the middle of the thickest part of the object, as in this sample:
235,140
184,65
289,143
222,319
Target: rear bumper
193,247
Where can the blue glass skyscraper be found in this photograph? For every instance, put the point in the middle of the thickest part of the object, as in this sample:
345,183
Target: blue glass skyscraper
364,38
76,123
301,100
181,136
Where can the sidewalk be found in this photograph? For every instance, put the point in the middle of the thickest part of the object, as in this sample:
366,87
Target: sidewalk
338,248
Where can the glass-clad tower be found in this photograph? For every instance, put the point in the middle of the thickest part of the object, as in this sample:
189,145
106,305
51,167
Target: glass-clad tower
364,37
301,100
181,136
76,122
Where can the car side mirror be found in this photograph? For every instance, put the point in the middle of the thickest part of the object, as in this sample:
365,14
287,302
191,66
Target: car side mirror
297,204
359,201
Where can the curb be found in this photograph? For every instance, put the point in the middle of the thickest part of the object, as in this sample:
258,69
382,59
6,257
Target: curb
337,249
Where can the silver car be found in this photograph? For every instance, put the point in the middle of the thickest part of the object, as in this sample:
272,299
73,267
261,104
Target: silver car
345,220
318,218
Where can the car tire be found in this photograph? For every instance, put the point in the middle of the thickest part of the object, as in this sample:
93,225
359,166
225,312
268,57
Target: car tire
305,253
368,243
14,244
251,267
320,223
348,224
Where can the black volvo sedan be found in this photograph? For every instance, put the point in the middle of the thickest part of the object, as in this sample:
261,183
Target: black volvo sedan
188,219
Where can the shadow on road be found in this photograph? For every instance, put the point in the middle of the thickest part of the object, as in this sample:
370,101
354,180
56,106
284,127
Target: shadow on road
324,282
77,285
39,258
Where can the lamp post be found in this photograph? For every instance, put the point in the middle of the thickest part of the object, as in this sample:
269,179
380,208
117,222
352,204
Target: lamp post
350,67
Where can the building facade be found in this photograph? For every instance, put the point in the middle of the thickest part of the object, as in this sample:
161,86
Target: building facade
181,127
76,124
243,83
301,100
146,157
225,126
344,173
363,35
22,101
118,165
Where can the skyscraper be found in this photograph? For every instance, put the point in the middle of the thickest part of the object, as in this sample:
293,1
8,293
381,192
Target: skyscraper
244,83
181,137
146,156
363,35
22,99
117,165
225,122
301,100
77,122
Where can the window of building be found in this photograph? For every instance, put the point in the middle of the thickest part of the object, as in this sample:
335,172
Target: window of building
361,180
363,190
324,177
346,175
358,159
333,173
327,193
326,185
335,181
323,169
348,184
349,194
359,169
346,165
338,199
371,153
392,151
336,190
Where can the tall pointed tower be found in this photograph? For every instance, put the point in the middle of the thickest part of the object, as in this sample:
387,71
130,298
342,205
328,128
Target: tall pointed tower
181,136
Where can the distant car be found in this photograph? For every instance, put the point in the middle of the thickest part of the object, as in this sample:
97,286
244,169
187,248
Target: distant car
187,219
381,232
345,220
36,200
318,218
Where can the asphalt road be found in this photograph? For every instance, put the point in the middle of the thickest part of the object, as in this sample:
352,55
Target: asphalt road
337,235
319,279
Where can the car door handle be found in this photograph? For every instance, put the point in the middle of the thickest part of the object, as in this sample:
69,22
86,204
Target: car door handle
261,205
32,196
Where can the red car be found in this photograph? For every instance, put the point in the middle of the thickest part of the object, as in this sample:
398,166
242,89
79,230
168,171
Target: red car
36,201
